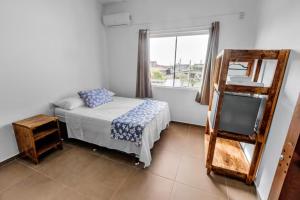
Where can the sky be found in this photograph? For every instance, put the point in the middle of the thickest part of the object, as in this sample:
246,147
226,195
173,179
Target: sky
189,48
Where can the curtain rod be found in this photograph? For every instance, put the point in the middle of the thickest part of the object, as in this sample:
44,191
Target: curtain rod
196,28
240,14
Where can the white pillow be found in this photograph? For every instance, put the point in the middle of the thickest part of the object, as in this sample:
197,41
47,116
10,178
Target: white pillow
69,103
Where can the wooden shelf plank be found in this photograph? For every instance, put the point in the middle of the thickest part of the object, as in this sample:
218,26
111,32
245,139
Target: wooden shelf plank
242,54
247,89
244,89
47,147
229,156
237,137
229,173
43,134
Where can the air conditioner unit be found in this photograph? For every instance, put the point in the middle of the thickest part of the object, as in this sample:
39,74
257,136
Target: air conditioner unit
119,19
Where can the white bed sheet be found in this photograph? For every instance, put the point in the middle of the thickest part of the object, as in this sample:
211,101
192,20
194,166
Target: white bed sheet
94,126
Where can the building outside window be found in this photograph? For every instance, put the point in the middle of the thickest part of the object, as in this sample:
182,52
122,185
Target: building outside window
178,60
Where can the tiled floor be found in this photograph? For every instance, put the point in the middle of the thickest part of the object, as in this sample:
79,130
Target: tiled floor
177,172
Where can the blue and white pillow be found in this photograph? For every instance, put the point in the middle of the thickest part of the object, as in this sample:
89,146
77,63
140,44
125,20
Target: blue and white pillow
96,97
110,92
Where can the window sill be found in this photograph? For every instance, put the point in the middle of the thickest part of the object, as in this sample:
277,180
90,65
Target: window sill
174,88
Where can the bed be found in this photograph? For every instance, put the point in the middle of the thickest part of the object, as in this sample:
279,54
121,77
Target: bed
93,125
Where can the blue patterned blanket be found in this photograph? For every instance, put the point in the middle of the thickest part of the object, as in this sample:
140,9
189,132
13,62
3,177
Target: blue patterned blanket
130,126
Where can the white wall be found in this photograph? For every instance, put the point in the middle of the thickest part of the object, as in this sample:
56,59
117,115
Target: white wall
122,42
279,28
49,49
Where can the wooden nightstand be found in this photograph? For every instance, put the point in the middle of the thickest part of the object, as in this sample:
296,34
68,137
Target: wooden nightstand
37,135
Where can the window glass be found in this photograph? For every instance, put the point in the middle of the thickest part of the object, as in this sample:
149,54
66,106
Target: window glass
162,57
191,52
178,61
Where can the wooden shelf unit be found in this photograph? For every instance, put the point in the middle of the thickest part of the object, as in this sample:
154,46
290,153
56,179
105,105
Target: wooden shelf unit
238,166
37,135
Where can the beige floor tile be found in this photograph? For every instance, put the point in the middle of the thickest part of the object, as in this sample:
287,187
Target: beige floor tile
239,190
196,133
101,178
196,128
13,173
89,148
70,194
172,140
193,173
164,163
143,185
110,173
47,158
119,157
94,189
65,168
34,187
178,127
195,145
182,192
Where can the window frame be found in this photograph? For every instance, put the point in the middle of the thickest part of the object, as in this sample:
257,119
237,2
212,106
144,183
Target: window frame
176,34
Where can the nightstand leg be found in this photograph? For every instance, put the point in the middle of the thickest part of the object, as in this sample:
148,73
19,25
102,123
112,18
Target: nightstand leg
36,161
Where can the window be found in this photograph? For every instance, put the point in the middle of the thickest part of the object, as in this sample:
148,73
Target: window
178,61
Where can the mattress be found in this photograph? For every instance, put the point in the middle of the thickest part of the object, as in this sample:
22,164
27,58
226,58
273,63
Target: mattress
106,112
93,125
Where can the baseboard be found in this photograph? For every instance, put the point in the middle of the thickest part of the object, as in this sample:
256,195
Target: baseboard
196,125
257,191
10,159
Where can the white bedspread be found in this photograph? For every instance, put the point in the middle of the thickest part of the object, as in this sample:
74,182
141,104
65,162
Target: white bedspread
94,126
